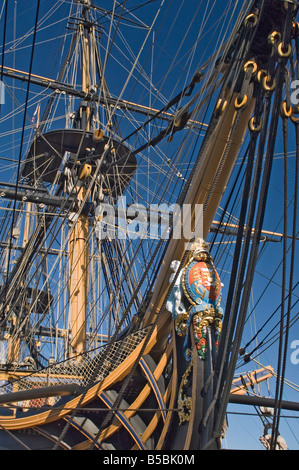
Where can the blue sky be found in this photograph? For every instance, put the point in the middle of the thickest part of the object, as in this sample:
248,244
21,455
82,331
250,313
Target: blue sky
175,32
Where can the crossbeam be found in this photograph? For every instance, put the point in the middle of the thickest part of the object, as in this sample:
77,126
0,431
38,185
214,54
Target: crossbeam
59,87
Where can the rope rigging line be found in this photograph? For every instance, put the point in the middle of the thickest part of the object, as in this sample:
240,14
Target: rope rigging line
265,323
229,321
210,128
32,248
270,280
123,318
128,270
180,201
22,137
260,214
186,91
145,273
4,39
127,379
274,337
282,350
283,341
224,210
248,281
234,293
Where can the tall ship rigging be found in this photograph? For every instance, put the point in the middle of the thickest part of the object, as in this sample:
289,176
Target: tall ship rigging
148,221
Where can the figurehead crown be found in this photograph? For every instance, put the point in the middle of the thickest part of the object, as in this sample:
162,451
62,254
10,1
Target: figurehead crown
201,250
201,245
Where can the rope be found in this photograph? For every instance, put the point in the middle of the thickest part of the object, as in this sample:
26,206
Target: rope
227,369
283,349
238,255
281,363
180,202
229,320
265,323
4,39
22,139
280,366
227,327
181,199
153,325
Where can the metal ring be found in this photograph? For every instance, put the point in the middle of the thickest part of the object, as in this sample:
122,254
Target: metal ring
274,35
252,18
243,102
286,5
252,126
265,82
280,50
221,105
260,73
284,111
250,63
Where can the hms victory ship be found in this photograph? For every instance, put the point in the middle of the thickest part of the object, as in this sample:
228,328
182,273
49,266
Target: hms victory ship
148,225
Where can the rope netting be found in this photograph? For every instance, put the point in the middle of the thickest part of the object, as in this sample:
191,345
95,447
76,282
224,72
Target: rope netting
84,370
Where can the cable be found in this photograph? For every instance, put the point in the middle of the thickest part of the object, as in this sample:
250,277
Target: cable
22,138
283,348
253,254
4,39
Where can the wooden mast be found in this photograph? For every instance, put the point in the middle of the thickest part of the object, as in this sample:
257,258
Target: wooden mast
199,191
79,247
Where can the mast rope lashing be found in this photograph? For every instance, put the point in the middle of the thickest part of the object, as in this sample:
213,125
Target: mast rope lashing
85,172
181,118
98,135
